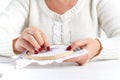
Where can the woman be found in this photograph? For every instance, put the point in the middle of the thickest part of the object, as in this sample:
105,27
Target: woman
35,25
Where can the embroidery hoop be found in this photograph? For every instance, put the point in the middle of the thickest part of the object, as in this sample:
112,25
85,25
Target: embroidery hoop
48,57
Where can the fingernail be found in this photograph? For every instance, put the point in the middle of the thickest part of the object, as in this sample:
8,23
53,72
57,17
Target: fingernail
69,48
48,48
35,52
43,46
40,49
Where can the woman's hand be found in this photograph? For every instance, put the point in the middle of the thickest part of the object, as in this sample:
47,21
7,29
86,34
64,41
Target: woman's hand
92,45
31,39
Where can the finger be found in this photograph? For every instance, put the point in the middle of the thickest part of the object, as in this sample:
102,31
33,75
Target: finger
40,37
46,43
77,44
80,60
32,41
26,45
71,60
36,33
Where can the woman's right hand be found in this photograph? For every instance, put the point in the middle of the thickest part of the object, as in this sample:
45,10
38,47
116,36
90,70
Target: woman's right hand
31,39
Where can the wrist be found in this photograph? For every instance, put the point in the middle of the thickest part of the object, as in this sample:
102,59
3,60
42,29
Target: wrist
99,47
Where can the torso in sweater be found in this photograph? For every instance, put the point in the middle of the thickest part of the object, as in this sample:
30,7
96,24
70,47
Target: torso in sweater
78,22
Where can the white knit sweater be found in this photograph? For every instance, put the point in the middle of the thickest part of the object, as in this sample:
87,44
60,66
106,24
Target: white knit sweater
83,20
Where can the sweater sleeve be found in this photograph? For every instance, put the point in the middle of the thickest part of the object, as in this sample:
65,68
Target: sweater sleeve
12,21
109,19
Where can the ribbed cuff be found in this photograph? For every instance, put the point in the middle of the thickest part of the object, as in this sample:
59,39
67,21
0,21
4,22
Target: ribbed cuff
110,49
6,46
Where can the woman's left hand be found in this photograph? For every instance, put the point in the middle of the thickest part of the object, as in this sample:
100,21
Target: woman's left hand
93,47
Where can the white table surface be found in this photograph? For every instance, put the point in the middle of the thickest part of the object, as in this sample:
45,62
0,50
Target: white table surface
98,70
